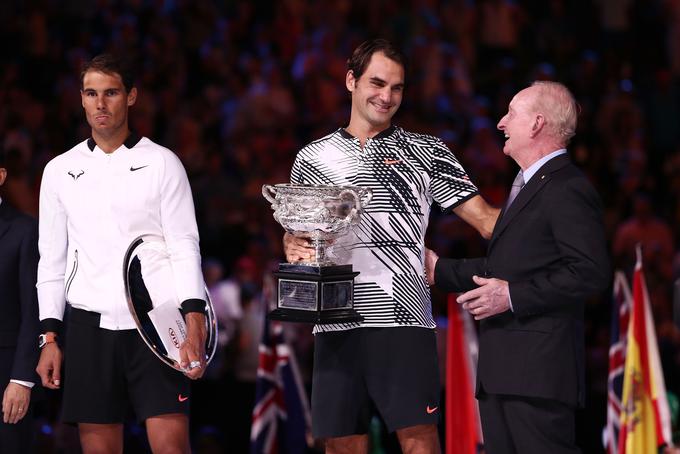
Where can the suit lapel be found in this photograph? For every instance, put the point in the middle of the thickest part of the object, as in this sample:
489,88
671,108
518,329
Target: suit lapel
5,216
537,182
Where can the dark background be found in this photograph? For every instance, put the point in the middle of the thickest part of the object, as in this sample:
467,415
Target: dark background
235,88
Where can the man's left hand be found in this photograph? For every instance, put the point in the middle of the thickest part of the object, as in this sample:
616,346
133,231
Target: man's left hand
192,351
431,259
15,402
490,298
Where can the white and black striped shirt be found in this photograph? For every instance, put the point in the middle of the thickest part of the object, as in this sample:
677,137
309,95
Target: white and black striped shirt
407,172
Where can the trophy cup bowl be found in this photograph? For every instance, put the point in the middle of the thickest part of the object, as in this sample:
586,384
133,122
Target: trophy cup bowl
154,306
320,291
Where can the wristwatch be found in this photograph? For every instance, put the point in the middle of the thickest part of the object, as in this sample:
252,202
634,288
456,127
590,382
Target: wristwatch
45,339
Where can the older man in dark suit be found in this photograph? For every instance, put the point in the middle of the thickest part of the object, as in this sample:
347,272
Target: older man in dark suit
546,257
19,325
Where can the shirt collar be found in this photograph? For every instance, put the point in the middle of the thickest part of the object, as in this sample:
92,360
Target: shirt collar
382,134
132,139
533,168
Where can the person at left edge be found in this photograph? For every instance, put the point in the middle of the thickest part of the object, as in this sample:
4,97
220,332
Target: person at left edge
19,325
95,199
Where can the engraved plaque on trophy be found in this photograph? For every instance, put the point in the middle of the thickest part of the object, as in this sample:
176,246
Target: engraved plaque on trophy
320,291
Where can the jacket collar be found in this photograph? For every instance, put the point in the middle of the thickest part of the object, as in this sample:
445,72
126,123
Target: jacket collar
6,214
132,139
535,184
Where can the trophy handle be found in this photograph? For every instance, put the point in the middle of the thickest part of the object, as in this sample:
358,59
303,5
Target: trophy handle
366,196
269,193
357,204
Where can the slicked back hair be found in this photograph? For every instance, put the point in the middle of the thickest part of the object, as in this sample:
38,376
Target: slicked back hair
112,65
361,56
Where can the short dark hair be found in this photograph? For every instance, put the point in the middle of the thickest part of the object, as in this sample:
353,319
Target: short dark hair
110,64
3,158
361,56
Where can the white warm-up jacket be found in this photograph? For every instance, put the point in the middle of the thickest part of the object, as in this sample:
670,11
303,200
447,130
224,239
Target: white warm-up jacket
92,206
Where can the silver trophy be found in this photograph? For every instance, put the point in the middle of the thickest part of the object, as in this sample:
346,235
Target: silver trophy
154,306
320,291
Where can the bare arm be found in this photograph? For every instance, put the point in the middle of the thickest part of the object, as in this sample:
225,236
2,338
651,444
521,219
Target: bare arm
193,348
49,366
479,214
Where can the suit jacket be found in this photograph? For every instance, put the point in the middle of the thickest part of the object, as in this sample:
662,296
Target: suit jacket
19,324
550,246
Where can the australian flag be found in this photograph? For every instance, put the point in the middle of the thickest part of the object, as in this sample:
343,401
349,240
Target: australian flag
621,307
281,420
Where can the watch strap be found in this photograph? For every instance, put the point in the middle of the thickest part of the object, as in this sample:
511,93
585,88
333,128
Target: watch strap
47,338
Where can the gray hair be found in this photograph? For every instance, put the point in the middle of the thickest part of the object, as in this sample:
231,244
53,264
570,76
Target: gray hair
559,108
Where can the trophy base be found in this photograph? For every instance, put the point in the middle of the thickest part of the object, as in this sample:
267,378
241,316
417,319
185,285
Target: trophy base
318,318
316,269
319,294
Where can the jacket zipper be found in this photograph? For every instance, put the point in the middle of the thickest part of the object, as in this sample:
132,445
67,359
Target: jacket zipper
72,275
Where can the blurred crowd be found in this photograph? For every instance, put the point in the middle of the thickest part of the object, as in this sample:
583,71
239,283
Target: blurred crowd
235,88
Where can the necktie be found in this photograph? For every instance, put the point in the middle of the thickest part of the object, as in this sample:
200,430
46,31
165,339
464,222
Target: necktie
517,184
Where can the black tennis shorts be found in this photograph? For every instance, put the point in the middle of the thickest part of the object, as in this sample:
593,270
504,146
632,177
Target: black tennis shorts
105,371
393,371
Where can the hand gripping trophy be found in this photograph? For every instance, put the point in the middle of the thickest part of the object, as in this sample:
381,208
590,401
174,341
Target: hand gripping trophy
320,291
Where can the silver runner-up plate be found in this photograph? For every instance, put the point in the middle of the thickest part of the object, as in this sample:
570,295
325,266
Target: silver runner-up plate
153,302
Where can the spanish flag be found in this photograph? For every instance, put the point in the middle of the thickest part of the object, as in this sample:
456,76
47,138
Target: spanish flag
645,417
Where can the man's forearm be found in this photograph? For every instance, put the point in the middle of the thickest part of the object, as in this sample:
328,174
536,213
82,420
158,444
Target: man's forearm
196,328
479,214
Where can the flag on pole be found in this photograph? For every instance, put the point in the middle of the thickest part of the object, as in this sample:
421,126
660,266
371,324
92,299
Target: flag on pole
621,304
463,428
645,417
281,419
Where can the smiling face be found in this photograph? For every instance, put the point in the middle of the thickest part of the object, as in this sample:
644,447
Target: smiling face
106,104
377,94
519,124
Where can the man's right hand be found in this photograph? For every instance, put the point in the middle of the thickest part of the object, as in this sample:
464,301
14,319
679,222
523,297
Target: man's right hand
49,366
297,249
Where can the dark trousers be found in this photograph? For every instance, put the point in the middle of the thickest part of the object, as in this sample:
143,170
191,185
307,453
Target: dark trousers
17,438
526,425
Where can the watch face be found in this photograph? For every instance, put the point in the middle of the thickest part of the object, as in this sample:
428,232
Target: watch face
44,339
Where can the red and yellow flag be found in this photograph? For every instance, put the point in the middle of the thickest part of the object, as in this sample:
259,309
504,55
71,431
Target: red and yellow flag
645,417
